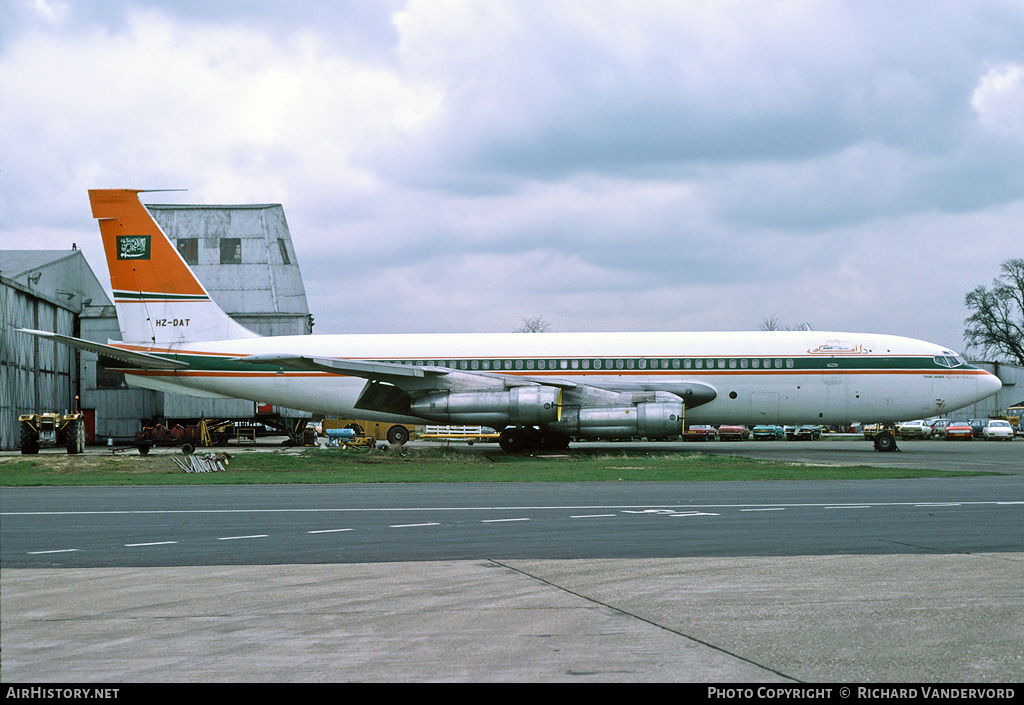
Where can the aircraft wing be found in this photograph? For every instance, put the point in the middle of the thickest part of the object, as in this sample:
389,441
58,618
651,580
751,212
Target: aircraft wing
384,371
143,360
392,386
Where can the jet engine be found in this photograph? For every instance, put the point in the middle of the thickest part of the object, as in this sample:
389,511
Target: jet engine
519,406
647,420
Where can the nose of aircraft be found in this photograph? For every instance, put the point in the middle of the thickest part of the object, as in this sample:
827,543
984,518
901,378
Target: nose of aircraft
988,384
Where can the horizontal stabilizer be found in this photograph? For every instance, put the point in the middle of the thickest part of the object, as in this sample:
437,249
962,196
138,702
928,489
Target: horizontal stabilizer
139,359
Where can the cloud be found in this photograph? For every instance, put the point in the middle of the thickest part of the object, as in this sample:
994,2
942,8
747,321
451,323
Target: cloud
226,111
557,88
457,165
999,100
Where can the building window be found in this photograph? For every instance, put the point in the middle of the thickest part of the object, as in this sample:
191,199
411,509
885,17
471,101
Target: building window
283,245
188,248
231,250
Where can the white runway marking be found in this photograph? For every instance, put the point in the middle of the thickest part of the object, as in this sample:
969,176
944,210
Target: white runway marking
235,538
151,543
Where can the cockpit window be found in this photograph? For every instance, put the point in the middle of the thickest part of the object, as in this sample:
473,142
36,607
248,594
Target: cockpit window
949,360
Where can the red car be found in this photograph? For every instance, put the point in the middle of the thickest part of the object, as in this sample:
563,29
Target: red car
699,433
959,431
733,433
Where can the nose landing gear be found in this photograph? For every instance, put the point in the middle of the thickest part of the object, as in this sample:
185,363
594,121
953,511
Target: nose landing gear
885,441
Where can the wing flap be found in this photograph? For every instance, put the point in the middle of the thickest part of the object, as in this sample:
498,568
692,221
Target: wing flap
351,368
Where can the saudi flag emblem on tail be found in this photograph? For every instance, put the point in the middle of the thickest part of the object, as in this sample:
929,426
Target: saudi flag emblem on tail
133,246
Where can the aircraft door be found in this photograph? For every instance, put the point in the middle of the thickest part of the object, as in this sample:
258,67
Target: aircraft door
765,408
837,400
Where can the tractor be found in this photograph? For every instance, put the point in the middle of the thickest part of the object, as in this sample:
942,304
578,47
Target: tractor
51,430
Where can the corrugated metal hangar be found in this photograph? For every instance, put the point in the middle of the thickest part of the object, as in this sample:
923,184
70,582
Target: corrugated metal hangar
242,254
44,290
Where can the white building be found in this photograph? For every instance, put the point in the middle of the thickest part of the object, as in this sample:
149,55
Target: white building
1012,393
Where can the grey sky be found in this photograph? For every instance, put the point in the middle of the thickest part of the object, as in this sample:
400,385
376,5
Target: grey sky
456,166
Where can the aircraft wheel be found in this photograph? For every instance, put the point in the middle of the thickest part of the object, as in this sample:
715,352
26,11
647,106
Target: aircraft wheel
553,441
885,442
513,440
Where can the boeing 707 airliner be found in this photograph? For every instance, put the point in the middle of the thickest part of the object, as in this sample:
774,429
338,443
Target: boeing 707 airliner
539,390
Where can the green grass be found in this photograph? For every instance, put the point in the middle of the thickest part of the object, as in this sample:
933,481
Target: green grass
433,465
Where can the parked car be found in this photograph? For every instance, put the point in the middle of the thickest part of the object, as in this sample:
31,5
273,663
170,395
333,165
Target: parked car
959,431
997,429
733,433
806,433
939,426
699,433
914,429
768,432
978,427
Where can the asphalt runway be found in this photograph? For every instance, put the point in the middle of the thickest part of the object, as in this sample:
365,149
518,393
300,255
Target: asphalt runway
894,581
934,454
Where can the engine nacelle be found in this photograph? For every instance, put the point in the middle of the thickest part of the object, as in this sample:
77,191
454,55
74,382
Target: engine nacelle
519,406
647,420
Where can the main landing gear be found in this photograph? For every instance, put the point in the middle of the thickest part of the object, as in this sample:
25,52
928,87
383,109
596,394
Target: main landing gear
523,439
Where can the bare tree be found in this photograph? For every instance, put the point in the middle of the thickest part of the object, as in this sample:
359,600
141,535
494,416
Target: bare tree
995,327
536,324
772,323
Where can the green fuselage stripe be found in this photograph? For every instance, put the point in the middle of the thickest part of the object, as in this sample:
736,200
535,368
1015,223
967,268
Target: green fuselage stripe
605,365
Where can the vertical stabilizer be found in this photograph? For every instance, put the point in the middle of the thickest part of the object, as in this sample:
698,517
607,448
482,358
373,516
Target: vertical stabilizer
159,300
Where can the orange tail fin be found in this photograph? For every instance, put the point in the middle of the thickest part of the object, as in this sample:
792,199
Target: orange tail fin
158,298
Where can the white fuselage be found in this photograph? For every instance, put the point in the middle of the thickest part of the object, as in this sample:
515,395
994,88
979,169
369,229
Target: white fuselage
759,377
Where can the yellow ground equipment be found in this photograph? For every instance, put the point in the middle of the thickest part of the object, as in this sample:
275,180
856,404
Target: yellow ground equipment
1014,415
51,430
349,438
395,433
